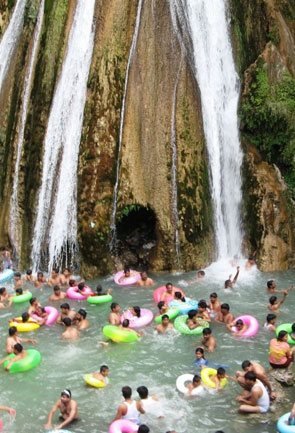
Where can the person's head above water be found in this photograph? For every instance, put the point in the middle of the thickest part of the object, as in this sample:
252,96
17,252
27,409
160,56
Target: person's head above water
66,393
143,428
136,311
201,274
143,392
126,392
169,287
125,323
126,271
115,308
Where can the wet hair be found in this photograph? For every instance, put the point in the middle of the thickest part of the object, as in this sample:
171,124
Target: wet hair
178,295
66,392
213,295
12,331
18,347
281,335
65,306
2,290
219,431
25,317
201,272
202,304
250,375
40,274
17,274
19,291
99,288
103,368
196,378
220,370
56,288
143,428
207,331
199,350
72,282
269,284
143,392
32,300
225,307
246,364
168,284
227,283
126,392
191,314
136,309
82,313
114,305
126,269
67,321
270,317
272,300
56,270
29,271
239,322
125,323
81,286
160,304
165,316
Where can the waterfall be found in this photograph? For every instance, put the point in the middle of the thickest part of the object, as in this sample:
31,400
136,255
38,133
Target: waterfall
113,242
219,87
55,232
10,39
14,223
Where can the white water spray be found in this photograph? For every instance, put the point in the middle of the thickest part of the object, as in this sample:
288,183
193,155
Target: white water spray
113,242
55,231
14,223
219,87
10,39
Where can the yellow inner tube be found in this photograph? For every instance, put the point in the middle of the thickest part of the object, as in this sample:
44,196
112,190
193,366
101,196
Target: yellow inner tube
92,381
207,373
28,326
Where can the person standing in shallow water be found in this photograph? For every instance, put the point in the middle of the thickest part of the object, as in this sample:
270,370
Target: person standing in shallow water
129,409
68,410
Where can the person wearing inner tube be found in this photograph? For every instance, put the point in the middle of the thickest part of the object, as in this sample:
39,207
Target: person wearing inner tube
102,375
13,339
144,281
125,325
5,298
256,368
170,292
163,307
192,320
127,274
165,325
115,314
99,291
19,353
203,311
239,325
65,311
196,383
36,310
257,399
68,410
129,409
217,378
280,353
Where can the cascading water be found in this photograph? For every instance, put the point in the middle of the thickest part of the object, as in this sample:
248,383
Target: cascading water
113,242
219,86
55,233
14,225
10,39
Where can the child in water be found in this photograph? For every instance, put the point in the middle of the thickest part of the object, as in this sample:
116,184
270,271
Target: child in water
200,360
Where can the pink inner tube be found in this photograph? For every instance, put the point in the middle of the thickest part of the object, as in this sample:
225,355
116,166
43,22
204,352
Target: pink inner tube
72,293
52,315
146,317
159,292
127,281
123,426
252,326
1,424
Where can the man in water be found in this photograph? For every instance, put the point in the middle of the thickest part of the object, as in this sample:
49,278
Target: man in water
150,404
256,368
225,316
208,340
165,326
257,399
144,280
80,320
169,294
129,409
54,279
200,274
40,281
57,295
115,315
65,311
196,383
228,284
71,332
17,280
274,303
19,353
65,277
271,287
13,339
68,409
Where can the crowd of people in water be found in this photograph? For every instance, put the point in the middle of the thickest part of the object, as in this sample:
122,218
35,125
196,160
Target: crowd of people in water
257,391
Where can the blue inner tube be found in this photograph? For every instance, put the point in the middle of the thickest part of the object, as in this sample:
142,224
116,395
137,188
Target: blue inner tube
282,425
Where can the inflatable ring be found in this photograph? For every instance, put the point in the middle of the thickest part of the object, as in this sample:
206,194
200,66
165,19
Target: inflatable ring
206,373
180,385
28,326
288,328
99,299
6,275
184,307
52,315
171,313
282,425
29,362
123,426
92,381
18,299
252,326
119,335
146,317
127,281
59,431
159,292
73,293
181,326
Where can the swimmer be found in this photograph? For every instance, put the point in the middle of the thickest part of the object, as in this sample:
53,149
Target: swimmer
17,279
135,311
9,410
65,277
115,315
163,307
71,333
260,372
38,312
40,280
179,297
23,319
28,277
274,303
165,326
239,325
13,339
200,274
208,341
170,293
200,360
218,378
256,400
129,409
143,429
102,375
68,409
5,298
99,291
150,404
19,353
125,325
270,323
80,320
65,311
144,281
228,284
225,316
251,261
271,287
214,305
54,279
127,274
196,383
192,320
202,311
293,331
57,294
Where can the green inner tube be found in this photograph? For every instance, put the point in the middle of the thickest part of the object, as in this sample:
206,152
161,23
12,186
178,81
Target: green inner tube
181,326
171,313
32,359
22,298
288,328
99,299
119,335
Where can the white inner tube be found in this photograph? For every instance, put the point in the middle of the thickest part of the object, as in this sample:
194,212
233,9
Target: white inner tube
182,380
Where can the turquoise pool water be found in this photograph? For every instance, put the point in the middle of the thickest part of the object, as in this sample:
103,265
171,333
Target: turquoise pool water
155,361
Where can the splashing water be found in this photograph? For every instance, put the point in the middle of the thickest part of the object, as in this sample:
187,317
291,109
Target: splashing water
113,241
14,223
219,86
55,233
10,39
